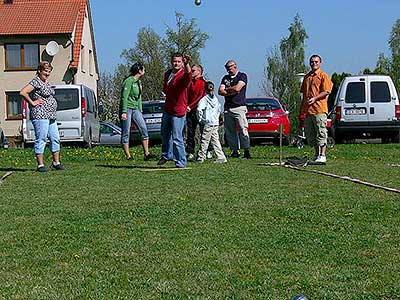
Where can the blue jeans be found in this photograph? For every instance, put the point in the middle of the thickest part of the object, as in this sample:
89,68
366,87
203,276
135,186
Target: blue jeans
137,117
172,130
45,128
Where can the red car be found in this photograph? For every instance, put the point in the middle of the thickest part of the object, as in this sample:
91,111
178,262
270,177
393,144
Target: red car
264,116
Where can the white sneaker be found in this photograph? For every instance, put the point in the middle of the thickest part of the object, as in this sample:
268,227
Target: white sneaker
321,159
209,154
221,161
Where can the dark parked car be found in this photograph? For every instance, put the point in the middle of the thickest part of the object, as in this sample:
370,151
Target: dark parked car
110,134
2,137
152,114
264,116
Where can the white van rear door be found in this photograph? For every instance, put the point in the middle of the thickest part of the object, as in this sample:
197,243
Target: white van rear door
68,113
382,106
355,105
27,127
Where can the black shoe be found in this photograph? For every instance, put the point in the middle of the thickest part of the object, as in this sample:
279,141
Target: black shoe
235,154
58,167
41,169
247,154
149,156
162,161
130,158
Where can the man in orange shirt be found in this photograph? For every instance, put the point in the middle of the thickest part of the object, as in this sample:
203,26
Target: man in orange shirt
315,88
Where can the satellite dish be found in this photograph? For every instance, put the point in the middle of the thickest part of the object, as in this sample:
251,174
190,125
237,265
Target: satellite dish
52,48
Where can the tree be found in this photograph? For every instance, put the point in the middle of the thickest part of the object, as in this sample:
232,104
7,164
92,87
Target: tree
383,66
284,63
394,44
110,93
336,80
186,39
155,52
151,51
390,65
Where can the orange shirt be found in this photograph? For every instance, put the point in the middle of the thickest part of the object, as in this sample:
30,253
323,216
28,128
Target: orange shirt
312,86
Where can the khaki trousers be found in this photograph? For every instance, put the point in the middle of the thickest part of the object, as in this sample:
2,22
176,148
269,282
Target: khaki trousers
210,135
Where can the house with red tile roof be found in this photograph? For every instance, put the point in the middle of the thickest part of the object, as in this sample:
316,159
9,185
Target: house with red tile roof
26,28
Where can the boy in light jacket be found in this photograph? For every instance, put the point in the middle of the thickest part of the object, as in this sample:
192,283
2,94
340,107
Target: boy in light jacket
209,110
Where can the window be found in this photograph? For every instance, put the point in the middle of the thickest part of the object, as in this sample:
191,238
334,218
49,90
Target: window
22,56
106,129
14,105
91,62
153,108
355,92
380,91
262,104
90,106
83,59
67,99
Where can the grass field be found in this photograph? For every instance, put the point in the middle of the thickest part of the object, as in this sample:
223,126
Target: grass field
108,229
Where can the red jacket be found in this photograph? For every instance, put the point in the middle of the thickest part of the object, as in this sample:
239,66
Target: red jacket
177,92
196,92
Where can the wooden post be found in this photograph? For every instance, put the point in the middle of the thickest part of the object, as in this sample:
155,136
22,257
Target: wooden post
280,143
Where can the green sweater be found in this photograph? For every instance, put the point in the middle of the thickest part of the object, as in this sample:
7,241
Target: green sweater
131,94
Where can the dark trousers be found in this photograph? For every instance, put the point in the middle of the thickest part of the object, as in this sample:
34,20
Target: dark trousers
191,124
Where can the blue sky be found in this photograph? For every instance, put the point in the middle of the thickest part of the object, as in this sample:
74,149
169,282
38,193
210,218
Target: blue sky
348,34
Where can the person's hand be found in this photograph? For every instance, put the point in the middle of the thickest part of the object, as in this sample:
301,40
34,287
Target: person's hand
188,109
186,59
123,117
311,101
37,102
221,121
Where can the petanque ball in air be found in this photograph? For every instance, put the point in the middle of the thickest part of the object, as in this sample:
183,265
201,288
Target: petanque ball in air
299,297
197,2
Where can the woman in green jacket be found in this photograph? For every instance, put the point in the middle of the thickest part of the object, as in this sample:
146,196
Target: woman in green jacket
131,110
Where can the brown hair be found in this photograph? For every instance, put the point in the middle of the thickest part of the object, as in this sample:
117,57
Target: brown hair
43,65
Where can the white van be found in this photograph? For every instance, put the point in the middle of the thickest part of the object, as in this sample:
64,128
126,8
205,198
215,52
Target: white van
367,106
77,116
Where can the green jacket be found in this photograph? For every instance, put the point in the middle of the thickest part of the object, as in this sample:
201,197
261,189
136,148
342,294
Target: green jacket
131,94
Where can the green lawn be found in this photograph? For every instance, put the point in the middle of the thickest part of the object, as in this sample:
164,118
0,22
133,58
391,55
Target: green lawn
108,229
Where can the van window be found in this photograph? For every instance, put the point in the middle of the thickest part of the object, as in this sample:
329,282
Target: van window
380,91
355,92
90,100
67,98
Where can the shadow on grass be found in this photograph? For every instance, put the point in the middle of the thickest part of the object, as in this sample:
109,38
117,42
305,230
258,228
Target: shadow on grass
130,167
15,170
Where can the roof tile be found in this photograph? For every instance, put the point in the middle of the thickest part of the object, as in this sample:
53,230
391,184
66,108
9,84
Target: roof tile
39,16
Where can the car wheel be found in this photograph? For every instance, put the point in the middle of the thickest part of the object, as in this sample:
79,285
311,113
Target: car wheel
396,138
300,144
285,141
386,140
337,137
330,142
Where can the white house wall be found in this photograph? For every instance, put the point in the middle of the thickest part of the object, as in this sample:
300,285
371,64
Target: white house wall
84,75
13,81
